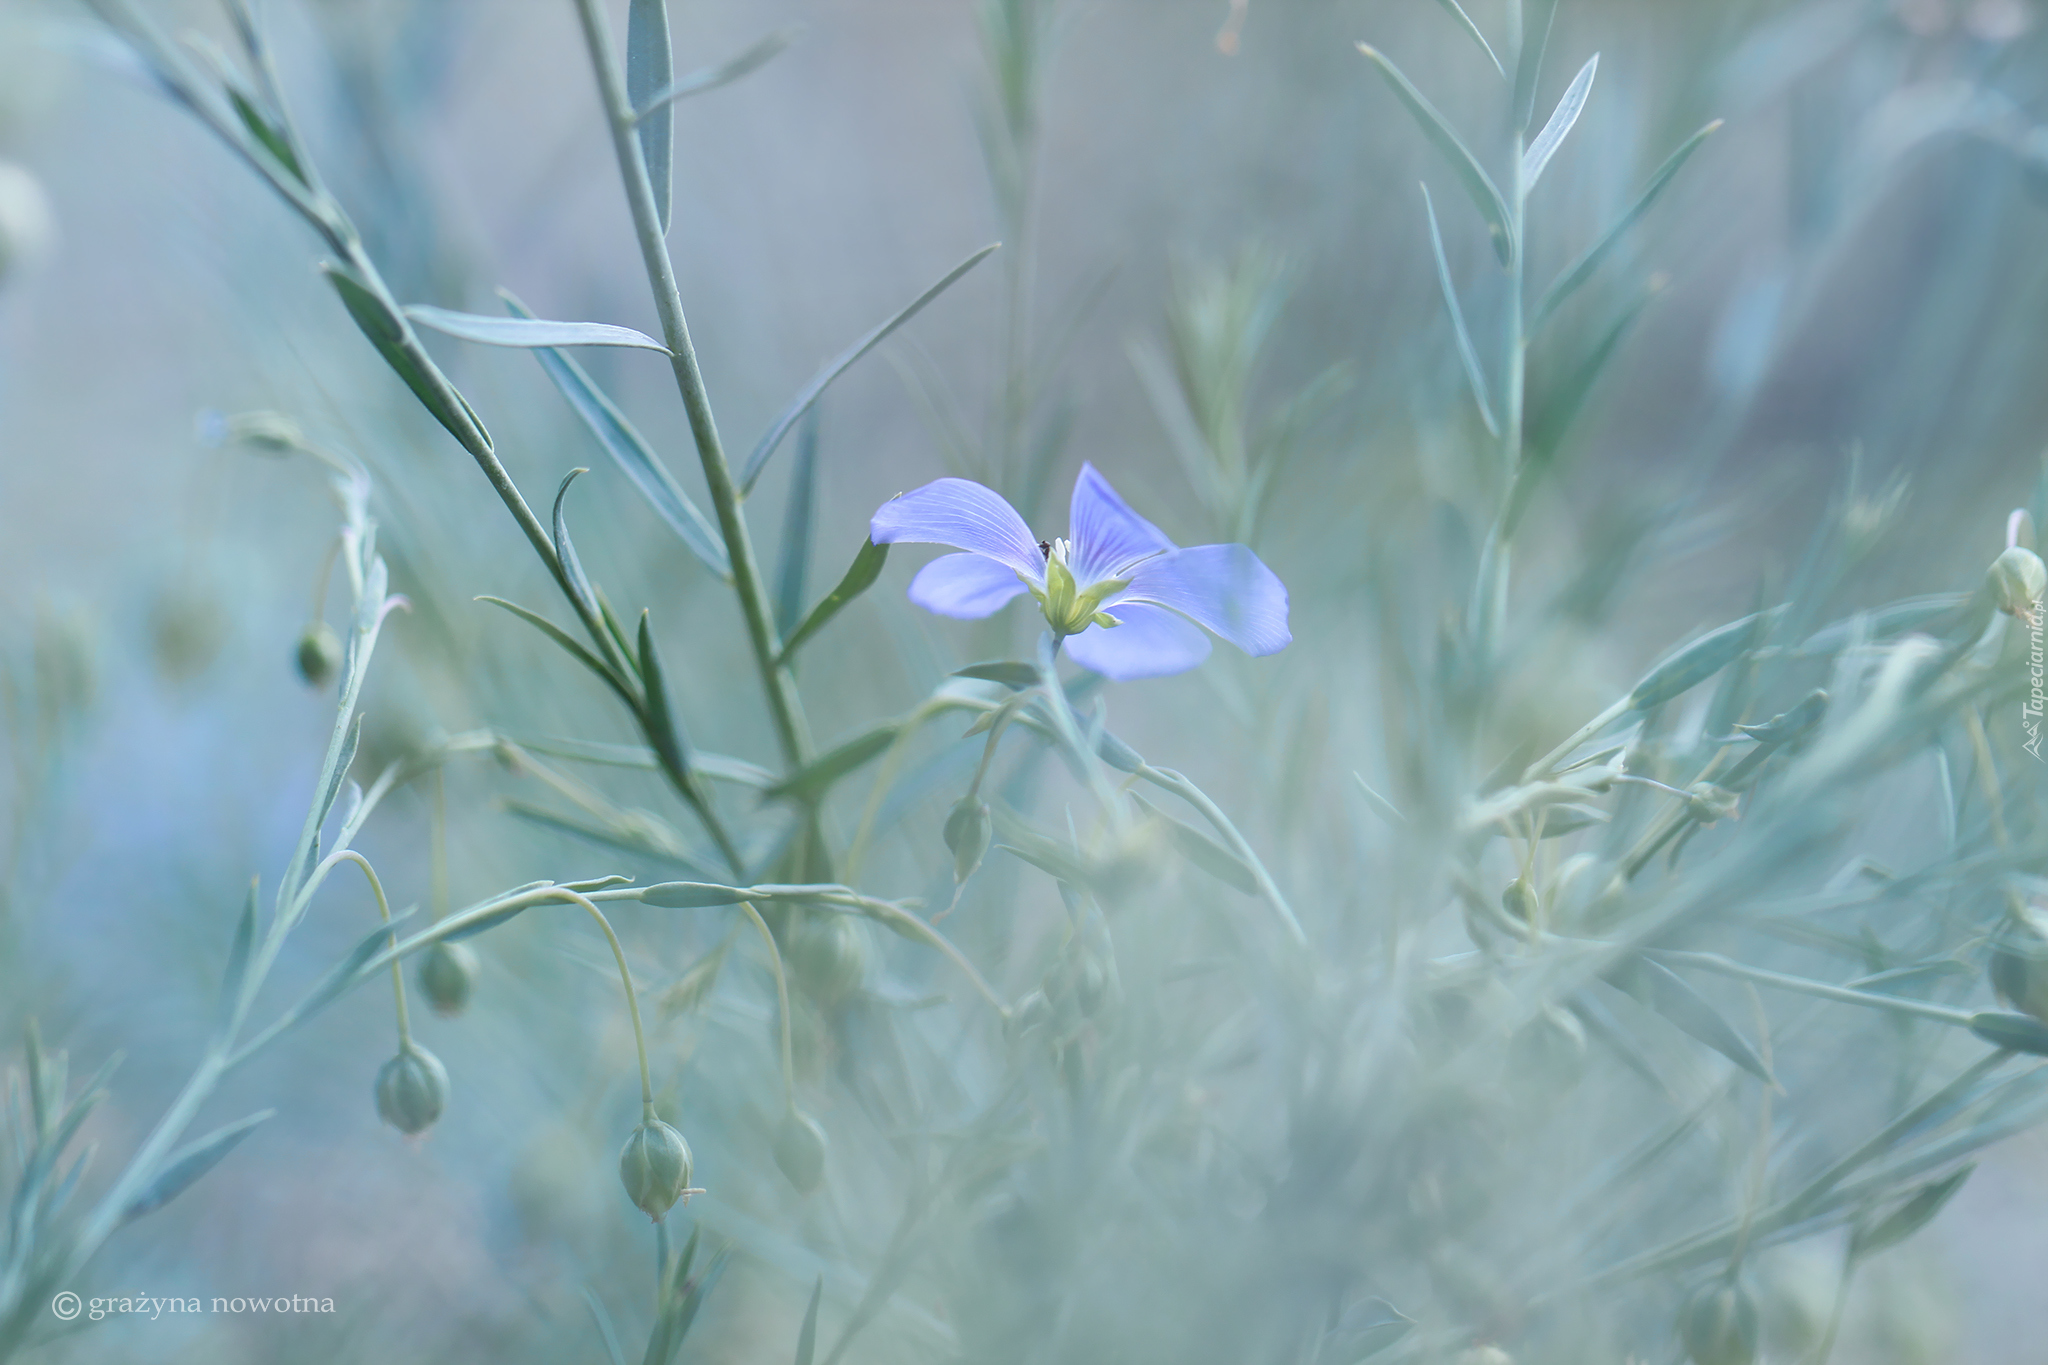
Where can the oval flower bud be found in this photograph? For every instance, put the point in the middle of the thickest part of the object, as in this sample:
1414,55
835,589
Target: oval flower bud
969,830
318,655
2019,967
800,1150
412,1089
654,1166
1718,1325
447,977
828,954
2018,581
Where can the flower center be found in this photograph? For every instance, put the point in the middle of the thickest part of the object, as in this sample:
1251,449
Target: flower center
1071,607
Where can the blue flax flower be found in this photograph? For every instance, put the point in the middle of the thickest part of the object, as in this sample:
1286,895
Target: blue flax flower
1124,599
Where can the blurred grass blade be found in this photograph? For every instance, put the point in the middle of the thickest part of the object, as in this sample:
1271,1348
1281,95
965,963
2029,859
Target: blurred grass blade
860,576
191,1162
1466,353
1485,197
266,133
1457,11
568,643
528,332
1536,19
807,1338
838,366
238,958
342,976
708,78
605,1330
1908,1218
1701,659
1579,271
1561,120
631,452
1203,852
1559,409
797,525
650,67
393,337
664,731
1664,991
680,1310
810,783
1014,676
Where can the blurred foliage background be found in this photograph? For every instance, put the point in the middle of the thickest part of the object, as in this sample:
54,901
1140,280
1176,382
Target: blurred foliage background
1207,256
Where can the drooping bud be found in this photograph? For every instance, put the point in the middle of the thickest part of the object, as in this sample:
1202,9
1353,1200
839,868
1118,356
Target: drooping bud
828,955
654,1166
1718,1325
2018,581
412,1089
447,977
318,654
968,832
271,433
800,1150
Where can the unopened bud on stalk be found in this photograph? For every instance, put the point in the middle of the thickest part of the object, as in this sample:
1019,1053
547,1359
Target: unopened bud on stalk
968,832
800,1150
1519,900
318,655
2018,581
1718,1325
654,1166
412,1089
447,977
828,954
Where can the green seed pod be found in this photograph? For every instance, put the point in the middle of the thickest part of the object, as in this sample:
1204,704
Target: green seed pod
2019,969
318,655
447,976
654,1166
828,955
271,433
968,832
2017,580
800,1150
1718,1324
412,1089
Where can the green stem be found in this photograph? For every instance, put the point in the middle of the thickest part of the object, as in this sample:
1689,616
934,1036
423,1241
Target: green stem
384,909
779,683
781,1002
1712,962
625,984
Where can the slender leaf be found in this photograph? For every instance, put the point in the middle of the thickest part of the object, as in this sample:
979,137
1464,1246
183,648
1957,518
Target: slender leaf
1203,852
680,1311
1014,676
565,549
795,564
1664,991
1581,270
1702,659
568,643
650,67
1561,120
1474,374
632,453
605,1330
807,1337
1548,425
266,133
707,78
1536,19
191,1162
1485,197
691,895
838,365
528,332
342,975
2013,1032
393,337
238,957
664,731
1908,1218
810,783
860,576
1457,11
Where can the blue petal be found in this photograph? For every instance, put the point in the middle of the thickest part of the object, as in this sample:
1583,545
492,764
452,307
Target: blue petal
964,515
965,586
1151,643
1223,587
1107,535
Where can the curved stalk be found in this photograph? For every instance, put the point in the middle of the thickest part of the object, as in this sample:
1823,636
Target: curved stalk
781,1002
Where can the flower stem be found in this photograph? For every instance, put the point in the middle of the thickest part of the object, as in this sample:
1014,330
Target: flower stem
781,1002
383,909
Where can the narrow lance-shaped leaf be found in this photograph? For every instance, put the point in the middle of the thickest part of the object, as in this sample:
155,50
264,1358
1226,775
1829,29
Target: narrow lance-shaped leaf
238,958
1474,374
1457,11
811,782
1204,852
807,1336
1908,1218
707,78
528,332
1548,425
190,1163
1664,991
838,366
1561,120
664,732
600,1316
795,563
1701,659
1485,196
860,576
393,337
565,549
650,67
568,644
1015,676
1579,271
631,452
1536,19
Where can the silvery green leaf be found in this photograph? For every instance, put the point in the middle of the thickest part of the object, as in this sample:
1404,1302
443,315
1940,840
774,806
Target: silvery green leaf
664,729
1561,120
605,1331
632,453
1915,1213
1658,987
1560,407
1014,676
1457,11
393,337
1485,197
860,576
191,1162
690,990
650,67
565,549
343,975
528,332
2013,1032
1474,373
1581,270
690,895
1203,852
795,563
1701,659
1537,16
706,78
810,783
569,644
238,957
807,1336
838,365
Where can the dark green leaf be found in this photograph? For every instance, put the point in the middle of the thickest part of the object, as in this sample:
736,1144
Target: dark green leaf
1581,270
191,1162
568,643
528,332
393,337
807,1338
1662,990
1470,174
860,576
664,731
650,67
272,139
632,453
838,365
2013,1032
565,549
809,784
1474,373
1702,659
1908,1218
795,565
1014,676
706,78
